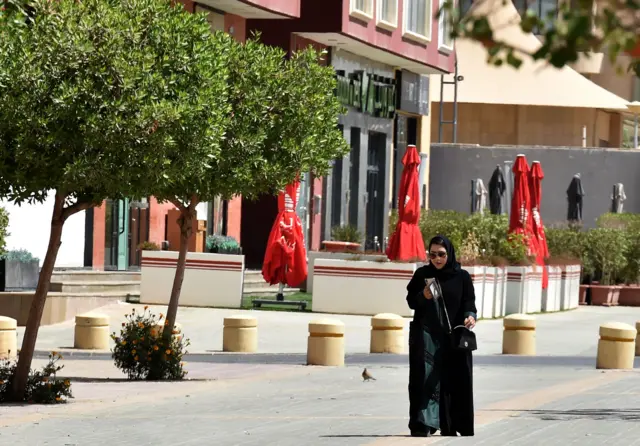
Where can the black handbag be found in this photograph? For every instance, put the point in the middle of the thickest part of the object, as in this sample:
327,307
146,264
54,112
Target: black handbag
461,337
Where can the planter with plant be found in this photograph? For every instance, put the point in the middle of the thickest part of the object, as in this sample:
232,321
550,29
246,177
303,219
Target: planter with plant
524,290
19,271
211,279
567,249
476,266
630,274
345,238
607,250
364,287
499,285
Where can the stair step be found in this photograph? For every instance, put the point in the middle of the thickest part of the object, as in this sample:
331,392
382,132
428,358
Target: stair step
266,291
95,276
95,287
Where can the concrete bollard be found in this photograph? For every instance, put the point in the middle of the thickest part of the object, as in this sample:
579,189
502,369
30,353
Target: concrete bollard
638,339
8,337
616,346
325,345
519,336
159,328
91,332
240,334
387,333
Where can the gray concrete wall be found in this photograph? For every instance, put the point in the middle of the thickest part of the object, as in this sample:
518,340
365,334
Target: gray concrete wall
453,166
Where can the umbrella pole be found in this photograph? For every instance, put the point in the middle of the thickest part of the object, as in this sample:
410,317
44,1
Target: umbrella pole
280,295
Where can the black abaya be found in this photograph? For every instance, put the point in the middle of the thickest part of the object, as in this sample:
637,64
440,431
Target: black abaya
440,378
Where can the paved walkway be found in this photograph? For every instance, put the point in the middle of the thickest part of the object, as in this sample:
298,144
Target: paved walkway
285,405
571,333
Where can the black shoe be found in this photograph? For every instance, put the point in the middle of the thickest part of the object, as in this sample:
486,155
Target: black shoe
416,433
448,434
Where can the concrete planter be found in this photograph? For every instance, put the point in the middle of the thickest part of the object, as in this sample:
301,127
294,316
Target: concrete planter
551,296
489,293
534,295
500,294
478,275
361,287
629,296
518,288
313,255
210,280
570,287
19,276
605,295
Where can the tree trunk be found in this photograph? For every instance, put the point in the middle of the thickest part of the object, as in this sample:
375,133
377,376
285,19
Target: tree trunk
186,224
37,305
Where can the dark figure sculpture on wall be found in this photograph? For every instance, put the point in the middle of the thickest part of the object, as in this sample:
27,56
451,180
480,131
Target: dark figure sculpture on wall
575,196
497,187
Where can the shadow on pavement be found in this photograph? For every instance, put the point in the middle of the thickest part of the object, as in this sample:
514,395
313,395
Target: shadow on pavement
584,414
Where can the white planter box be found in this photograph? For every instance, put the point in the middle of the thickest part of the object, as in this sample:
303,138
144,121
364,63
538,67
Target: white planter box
361,287
551,296
210,280
534,295
517,289
489,294
477,274
570,287
500,296
313,255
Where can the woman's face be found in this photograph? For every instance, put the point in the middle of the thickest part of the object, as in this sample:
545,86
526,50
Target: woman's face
438,256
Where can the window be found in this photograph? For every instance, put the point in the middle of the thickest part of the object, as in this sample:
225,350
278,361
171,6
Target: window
417,20
444,30
361,9
388,14
546,10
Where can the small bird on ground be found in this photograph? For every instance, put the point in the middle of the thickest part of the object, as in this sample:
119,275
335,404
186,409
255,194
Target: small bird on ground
366,376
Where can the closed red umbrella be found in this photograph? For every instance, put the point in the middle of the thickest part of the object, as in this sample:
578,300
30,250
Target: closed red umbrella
406,242
521,221
285,260
535,188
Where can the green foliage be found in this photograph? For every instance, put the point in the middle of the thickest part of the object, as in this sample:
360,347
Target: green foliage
148,246
222,244
19,255
118,90
142,353
346,233
43,387
607,249
567,31
4,233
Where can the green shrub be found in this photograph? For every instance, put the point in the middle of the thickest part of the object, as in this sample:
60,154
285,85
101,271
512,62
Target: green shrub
4,225
43,387
346,233
222,244
148,246
142,353
19,255
607,251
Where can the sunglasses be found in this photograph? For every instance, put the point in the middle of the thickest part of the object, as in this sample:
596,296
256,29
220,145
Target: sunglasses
439,254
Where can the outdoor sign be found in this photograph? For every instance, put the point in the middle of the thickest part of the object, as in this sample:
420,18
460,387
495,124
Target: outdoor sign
414,93
367,92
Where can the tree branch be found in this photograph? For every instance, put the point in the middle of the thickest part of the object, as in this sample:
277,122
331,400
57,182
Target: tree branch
75,208
177,204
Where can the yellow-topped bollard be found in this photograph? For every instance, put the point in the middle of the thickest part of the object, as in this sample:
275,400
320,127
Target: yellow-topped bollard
91,332
616,346
519,336
8,337
325,345
240,334
387,333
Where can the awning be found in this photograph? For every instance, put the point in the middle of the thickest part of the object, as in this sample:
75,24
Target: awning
534,83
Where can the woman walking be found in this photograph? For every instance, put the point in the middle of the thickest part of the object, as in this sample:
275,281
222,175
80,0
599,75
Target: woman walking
440,377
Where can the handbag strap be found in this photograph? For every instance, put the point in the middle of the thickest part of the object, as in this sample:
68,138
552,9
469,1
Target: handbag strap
444,305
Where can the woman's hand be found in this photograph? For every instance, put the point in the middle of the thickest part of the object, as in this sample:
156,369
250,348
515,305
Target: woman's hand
470,322
427,293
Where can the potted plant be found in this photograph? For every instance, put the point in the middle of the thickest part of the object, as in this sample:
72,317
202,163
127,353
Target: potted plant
607,250
630,291
223,244
567,256
148,246
19,271
345,238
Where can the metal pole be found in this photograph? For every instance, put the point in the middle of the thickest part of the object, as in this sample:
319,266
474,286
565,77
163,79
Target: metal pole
509,186
455,103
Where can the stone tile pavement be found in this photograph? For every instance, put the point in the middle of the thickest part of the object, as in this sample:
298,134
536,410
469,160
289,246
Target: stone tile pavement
246,405
571,333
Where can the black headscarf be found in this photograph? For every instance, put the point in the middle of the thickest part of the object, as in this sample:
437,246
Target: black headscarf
452,267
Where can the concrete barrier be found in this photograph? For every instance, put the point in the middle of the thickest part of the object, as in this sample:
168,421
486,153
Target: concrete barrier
8,337
325,345
240,334
616,346
387,333
519,336
91,332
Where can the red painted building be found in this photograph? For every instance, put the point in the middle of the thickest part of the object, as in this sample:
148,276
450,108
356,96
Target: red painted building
391,44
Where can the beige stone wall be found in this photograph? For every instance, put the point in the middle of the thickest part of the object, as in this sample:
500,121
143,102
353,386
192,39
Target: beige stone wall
488,124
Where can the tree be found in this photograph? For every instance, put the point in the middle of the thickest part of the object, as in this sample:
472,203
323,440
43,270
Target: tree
284,116
4,224
572,28
102,99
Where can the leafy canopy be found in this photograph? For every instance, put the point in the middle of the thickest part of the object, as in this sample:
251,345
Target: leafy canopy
572,28
106,98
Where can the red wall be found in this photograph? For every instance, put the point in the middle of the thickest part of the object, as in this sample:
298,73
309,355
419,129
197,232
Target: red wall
99,223
290,8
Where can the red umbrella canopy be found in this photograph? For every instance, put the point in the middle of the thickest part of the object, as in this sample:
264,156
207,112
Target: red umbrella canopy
520,221
285,260
406,242
535,187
